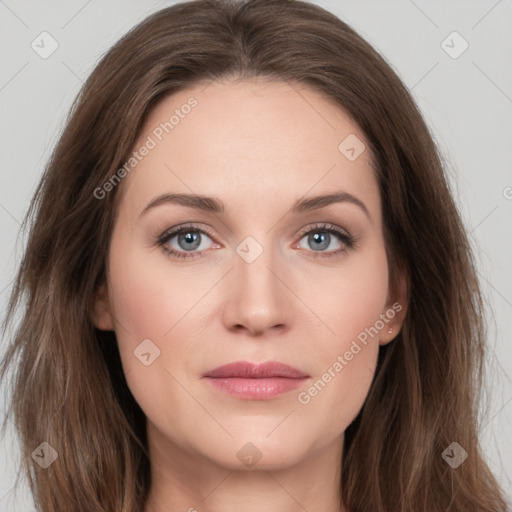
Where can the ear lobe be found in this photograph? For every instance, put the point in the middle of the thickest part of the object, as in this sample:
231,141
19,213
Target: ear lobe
396,308
101,315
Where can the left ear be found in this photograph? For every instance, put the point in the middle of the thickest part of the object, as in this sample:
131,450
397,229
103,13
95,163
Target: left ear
101,315
395,310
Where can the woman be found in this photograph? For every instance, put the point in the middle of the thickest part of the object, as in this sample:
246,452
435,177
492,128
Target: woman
247,283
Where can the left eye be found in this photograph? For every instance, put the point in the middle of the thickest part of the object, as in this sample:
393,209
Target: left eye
319,238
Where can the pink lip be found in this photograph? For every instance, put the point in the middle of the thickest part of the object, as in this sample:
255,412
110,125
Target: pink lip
255,381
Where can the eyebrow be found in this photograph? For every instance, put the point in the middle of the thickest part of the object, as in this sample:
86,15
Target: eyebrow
215,205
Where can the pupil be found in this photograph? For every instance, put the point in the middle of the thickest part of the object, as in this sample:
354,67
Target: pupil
190,237
321,241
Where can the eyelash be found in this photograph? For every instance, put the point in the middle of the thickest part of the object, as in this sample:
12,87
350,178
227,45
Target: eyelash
349,241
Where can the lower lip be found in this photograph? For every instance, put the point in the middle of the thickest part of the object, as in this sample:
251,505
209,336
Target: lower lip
256,389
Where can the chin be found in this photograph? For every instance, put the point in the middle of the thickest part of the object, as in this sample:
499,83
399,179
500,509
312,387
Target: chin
259,452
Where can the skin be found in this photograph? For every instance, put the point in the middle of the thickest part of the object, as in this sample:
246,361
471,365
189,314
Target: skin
258,146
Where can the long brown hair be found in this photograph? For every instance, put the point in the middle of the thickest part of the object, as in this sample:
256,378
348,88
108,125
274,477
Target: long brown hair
68,385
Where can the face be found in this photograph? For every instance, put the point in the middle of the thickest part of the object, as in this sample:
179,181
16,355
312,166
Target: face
259,273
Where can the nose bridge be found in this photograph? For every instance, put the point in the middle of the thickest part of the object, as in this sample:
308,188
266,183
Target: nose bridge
256,295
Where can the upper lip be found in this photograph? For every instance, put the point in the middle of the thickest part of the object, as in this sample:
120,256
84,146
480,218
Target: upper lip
246,370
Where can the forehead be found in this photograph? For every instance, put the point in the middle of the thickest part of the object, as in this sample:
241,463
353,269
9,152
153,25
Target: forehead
250,141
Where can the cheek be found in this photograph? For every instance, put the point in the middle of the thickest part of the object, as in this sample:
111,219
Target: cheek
335,397
149,298
352,298
149,302
352,303
145,304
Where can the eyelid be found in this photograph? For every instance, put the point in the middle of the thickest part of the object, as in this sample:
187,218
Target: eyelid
172,231
322,225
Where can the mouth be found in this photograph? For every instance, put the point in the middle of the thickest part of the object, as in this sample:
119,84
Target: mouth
250,381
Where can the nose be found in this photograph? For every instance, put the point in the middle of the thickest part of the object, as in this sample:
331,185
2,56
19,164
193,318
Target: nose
257,298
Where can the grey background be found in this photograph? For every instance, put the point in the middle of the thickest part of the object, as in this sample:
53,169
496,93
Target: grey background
466,101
